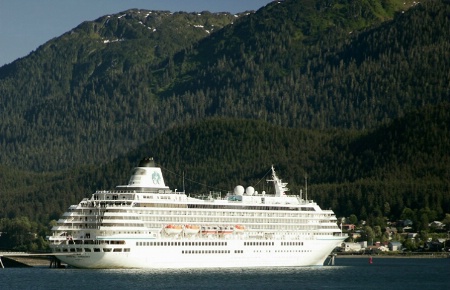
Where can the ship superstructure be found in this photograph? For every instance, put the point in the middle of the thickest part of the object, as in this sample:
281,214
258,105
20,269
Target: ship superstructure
144,224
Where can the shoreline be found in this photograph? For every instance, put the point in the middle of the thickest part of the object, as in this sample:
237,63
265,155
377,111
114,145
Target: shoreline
399,256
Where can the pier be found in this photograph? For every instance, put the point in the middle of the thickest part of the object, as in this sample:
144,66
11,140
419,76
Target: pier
26,258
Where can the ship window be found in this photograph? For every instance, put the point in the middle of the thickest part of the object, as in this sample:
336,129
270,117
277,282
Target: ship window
118,250
87,249
126,249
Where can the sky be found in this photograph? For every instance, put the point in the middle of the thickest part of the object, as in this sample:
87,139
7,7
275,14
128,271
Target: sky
27,24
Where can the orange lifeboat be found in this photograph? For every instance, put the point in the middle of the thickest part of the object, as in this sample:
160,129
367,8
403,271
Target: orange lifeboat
239,228
173,229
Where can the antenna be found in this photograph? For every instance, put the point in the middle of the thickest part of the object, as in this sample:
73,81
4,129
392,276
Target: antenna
183,184
306,186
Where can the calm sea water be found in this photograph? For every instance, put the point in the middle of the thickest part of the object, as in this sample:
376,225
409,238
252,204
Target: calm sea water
348,273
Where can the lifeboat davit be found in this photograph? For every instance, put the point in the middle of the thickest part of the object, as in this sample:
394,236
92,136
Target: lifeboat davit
210,230
191,229
173,229
226,230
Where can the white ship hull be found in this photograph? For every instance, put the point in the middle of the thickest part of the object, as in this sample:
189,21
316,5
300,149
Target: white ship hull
146,225
311,253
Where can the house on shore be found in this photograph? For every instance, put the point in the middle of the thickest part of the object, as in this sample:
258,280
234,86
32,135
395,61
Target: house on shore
395,246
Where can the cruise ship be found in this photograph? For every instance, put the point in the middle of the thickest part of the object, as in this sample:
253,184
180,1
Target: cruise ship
147,225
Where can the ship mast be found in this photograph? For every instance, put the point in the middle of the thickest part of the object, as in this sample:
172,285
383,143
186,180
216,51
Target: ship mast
306,186
280,187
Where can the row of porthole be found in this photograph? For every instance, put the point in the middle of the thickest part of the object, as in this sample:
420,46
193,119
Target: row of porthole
292,243
79,250
206,252
292,251
181,244
259,244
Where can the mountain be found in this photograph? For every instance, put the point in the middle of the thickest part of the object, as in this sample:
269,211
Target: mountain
307,64
111,84
403,164
91,86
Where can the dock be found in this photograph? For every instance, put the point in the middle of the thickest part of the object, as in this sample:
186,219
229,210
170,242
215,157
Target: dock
24,259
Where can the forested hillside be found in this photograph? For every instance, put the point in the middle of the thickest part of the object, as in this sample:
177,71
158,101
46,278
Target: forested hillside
302,64
109,85
88,95
403,164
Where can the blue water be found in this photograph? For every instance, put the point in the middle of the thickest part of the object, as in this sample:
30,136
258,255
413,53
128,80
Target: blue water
348,273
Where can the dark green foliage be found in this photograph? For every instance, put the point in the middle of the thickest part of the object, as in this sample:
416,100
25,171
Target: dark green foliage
347,171
114,83
71,99
22,234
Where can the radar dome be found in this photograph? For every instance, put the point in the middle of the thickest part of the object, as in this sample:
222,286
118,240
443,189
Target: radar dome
239,190
250,190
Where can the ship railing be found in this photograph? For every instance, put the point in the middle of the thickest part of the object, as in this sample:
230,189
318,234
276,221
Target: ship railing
67,214
131,191
68,227
301,200
57,238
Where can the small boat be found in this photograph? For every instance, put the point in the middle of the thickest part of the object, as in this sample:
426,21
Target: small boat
191,229
173,229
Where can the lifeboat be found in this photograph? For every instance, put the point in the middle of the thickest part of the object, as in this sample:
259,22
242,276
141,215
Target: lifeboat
173,229
239,228
210,230
226,230
191,229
